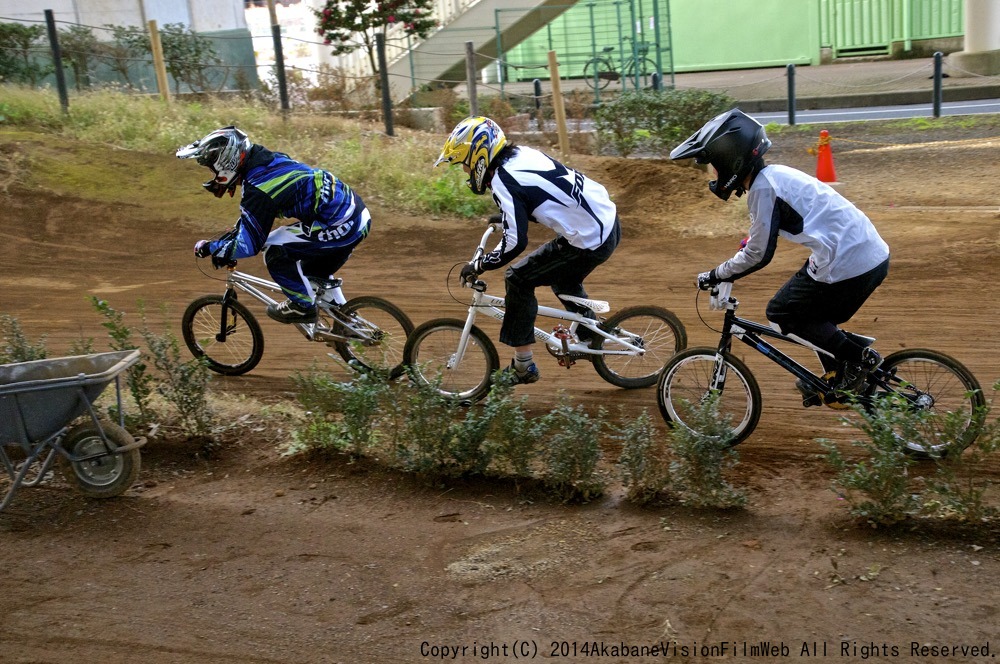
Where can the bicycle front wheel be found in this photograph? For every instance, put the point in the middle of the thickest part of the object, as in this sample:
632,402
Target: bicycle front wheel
378,329
933,382
232,342
431,359
686,383
599,73
654,329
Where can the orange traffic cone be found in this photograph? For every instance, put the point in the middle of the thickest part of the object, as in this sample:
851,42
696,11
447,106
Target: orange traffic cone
824,162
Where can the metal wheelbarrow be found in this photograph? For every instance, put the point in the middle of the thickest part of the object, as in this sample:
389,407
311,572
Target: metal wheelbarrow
39,402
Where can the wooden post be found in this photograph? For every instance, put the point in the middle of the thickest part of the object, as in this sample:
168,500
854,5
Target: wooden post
557,105
158,64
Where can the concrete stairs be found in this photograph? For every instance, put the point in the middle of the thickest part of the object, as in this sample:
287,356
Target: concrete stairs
440,59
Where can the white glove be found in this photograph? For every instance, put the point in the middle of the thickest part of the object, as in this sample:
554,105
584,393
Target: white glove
719,300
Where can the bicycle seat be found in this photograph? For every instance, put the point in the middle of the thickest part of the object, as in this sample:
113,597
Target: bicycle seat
860,338
608,49
597,306
325,283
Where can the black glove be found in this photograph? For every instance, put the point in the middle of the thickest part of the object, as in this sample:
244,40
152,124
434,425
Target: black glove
470,272
707,279
201,249
220,262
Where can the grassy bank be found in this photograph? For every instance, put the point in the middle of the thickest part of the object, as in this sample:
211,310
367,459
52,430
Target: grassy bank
394,171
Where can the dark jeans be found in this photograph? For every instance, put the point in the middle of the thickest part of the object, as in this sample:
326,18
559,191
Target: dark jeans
558,264
812,309
289,265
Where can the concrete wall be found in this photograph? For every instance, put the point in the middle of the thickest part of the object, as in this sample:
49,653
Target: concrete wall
199,15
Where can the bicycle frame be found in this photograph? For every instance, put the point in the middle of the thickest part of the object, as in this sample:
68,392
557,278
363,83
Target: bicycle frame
494,307
258,288
751,333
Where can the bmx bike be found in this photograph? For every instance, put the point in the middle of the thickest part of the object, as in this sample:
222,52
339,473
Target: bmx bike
919,379
628,349
368,332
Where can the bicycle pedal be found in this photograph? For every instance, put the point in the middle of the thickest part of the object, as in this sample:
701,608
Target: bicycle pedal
812,400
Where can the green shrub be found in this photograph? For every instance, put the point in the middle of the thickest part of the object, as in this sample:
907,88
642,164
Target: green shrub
644,465
701,456
355,405
655,122
955,489
877,486
137,377
183,383
434,439
514,437
15,346
571,452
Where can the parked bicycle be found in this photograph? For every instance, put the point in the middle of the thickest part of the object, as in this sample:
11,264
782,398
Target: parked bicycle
923,380
601,69
367,331
627,349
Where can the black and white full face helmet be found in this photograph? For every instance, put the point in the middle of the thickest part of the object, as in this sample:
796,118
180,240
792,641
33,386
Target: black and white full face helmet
225,152
734,144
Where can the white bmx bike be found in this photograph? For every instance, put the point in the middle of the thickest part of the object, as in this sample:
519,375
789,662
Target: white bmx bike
628,349
367,331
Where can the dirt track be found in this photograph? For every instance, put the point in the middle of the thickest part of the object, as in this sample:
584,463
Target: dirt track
255,558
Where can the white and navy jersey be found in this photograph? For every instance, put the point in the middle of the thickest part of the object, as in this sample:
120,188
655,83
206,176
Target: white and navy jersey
531,186
789,203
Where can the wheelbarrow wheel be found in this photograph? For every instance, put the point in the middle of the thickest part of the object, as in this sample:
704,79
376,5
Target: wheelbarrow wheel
105,476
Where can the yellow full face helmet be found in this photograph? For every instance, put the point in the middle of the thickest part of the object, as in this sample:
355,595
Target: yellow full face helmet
474,142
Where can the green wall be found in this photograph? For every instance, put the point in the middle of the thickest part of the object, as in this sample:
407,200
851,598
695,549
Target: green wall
737,34
705,35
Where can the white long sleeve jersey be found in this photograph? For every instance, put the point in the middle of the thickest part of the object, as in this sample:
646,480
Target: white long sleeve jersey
788,203
531,186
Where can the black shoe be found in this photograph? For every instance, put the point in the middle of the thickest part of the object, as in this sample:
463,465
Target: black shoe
292,312
853,374
526,377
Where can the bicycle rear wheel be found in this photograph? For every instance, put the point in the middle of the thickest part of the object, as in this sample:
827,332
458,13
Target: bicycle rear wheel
430,358
599,72
654,329
938,384
380,328
686,382
232,354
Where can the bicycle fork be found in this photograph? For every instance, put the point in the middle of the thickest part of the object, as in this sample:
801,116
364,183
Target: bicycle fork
224,326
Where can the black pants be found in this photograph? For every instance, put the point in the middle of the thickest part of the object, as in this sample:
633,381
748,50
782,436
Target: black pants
812,309
558,264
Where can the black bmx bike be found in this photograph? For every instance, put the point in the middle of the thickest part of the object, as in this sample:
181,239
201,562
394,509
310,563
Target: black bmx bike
915,378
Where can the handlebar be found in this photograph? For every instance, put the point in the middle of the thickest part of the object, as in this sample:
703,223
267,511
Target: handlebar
481,249
494,226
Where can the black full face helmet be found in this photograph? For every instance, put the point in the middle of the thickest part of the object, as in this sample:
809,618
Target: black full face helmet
734,144
224,151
